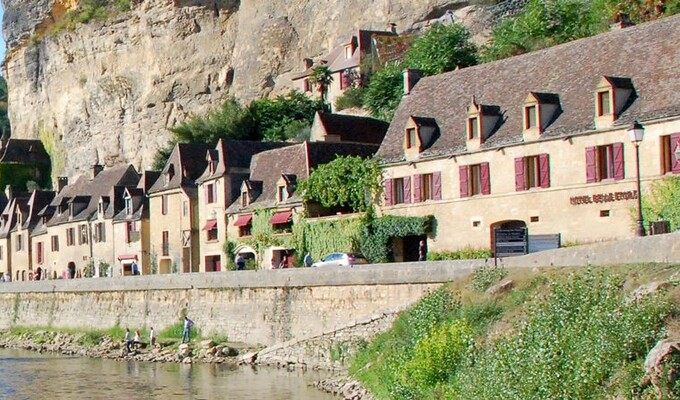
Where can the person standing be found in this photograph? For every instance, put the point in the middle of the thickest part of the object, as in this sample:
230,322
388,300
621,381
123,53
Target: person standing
307,260
152,337
240,263
422,251
135,268
186,334
128,339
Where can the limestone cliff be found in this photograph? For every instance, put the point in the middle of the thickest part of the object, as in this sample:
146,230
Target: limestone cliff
107,91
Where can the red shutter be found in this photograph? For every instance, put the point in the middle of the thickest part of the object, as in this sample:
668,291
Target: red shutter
388,192
407,189
544,170
591,164
486,181
519,175
618,161
675,162
437,183
463,174
417,179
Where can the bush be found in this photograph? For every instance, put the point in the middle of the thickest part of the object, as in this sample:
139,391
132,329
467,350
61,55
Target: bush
352,97
466,253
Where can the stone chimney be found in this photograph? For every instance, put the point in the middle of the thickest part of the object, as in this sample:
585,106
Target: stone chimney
62,182
96,169
8,192
622,21
411,77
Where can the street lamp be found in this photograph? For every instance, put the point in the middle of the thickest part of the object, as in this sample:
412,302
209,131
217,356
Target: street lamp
635,134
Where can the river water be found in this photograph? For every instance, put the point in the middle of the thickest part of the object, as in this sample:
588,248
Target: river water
27,375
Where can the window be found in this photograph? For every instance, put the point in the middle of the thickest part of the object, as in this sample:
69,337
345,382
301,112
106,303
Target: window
282,194
211,232
603,103
532,172
474,180
19,243
185,208
55,243
166,243
128,206
131,231
2,253
427,187
164,204
473,128
210,193
530,117
99,232
244,199
211,166
100,208
39,253
306,87
348,52
604,162
82,234
411,139
669,162
70,236
245,230
398,190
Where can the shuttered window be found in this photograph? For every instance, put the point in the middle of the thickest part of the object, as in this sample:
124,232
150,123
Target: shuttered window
474,180
388,192
604,162
398,190
532,172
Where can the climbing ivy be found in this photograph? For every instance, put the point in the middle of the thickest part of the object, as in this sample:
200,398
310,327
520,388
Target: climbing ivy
327,236
377,232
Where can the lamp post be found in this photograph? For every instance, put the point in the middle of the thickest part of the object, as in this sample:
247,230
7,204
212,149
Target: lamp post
635,134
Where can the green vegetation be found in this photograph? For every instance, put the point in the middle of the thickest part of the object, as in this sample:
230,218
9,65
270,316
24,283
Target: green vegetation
4,119
327,236
376,234
442,48
561,336
466,253
89,11
322,77
346,182
352,97
485,277
661,203
384,91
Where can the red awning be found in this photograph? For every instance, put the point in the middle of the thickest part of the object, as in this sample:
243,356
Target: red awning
211,224
281,217
243,220
127,257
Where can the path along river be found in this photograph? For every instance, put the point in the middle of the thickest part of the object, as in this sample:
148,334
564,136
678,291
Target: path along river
27,376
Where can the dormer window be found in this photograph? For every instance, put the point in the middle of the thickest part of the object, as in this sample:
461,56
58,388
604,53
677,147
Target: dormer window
604,104
282,194
100,208
530,117
212,164
411,138
473,128
540,110
244,199
419,134
71,210
170,174
612,96
128,205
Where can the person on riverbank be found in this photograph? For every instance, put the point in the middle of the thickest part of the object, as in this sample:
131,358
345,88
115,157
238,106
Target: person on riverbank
186,334
128,339
137,341
152,337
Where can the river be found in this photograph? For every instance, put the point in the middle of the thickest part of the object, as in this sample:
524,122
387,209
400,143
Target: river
27,375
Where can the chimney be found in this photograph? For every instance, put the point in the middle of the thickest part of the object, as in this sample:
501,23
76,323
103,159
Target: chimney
8,192
96,169
411,77
622,21
307,63
62,182
393,27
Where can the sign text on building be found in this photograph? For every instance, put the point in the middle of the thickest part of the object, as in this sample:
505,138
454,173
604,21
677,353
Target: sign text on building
603,197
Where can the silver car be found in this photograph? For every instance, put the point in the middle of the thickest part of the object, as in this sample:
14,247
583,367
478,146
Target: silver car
341,260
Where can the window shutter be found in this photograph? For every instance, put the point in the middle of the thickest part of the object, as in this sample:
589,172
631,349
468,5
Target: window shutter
618,161
486,181
437,183
519,174
416,188
388,192
591,164
544,170
407,189
675,163
463,174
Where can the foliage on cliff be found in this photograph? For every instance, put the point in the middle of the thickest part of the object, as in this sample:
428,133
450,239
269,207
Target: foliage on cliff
4,119
559,336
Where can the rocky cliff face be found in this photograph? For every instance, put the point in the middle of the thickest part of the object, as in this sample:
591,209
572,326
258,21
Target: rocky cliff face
107,91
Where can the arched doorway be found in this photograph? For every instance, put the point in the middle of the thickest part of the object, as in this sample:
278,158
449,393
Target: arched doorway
507,224
249,254
71,270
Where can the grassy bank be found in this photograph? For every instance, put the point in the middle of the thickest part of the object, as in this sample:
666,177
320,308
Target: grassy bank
555,334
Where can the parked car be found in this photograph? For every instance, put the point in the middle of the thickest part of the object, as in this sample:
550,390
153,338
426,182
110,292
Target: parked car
341,260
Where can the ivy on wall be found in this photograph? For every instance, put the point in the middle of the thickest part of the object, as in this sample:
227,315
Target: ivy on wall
327,236
377,232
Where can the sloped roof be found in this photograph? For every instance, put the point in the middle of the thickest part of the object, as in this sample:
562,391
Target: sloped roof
25,151
355,129
188,162
235,154
647,54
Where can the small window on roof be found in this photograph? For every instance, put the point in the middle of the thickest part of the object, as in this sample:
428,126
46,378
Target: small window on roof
530,117
473,128
411,138
244,199
348,51
604,106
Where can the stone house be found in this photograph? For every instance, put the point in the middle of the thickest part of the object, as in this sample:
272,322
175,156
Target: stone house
219,186
68,224
345,62
173,210
132,229
261,219
538,141
329,127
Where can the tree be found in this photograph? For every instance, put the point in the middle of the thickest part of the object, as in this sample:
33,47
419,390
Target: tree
284,117
662,203
442,48
347,181
230,121
384,91
322,77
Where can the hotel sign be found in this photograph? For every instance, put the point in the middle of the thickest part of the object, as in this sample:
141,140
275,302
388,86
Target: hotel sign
603,198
